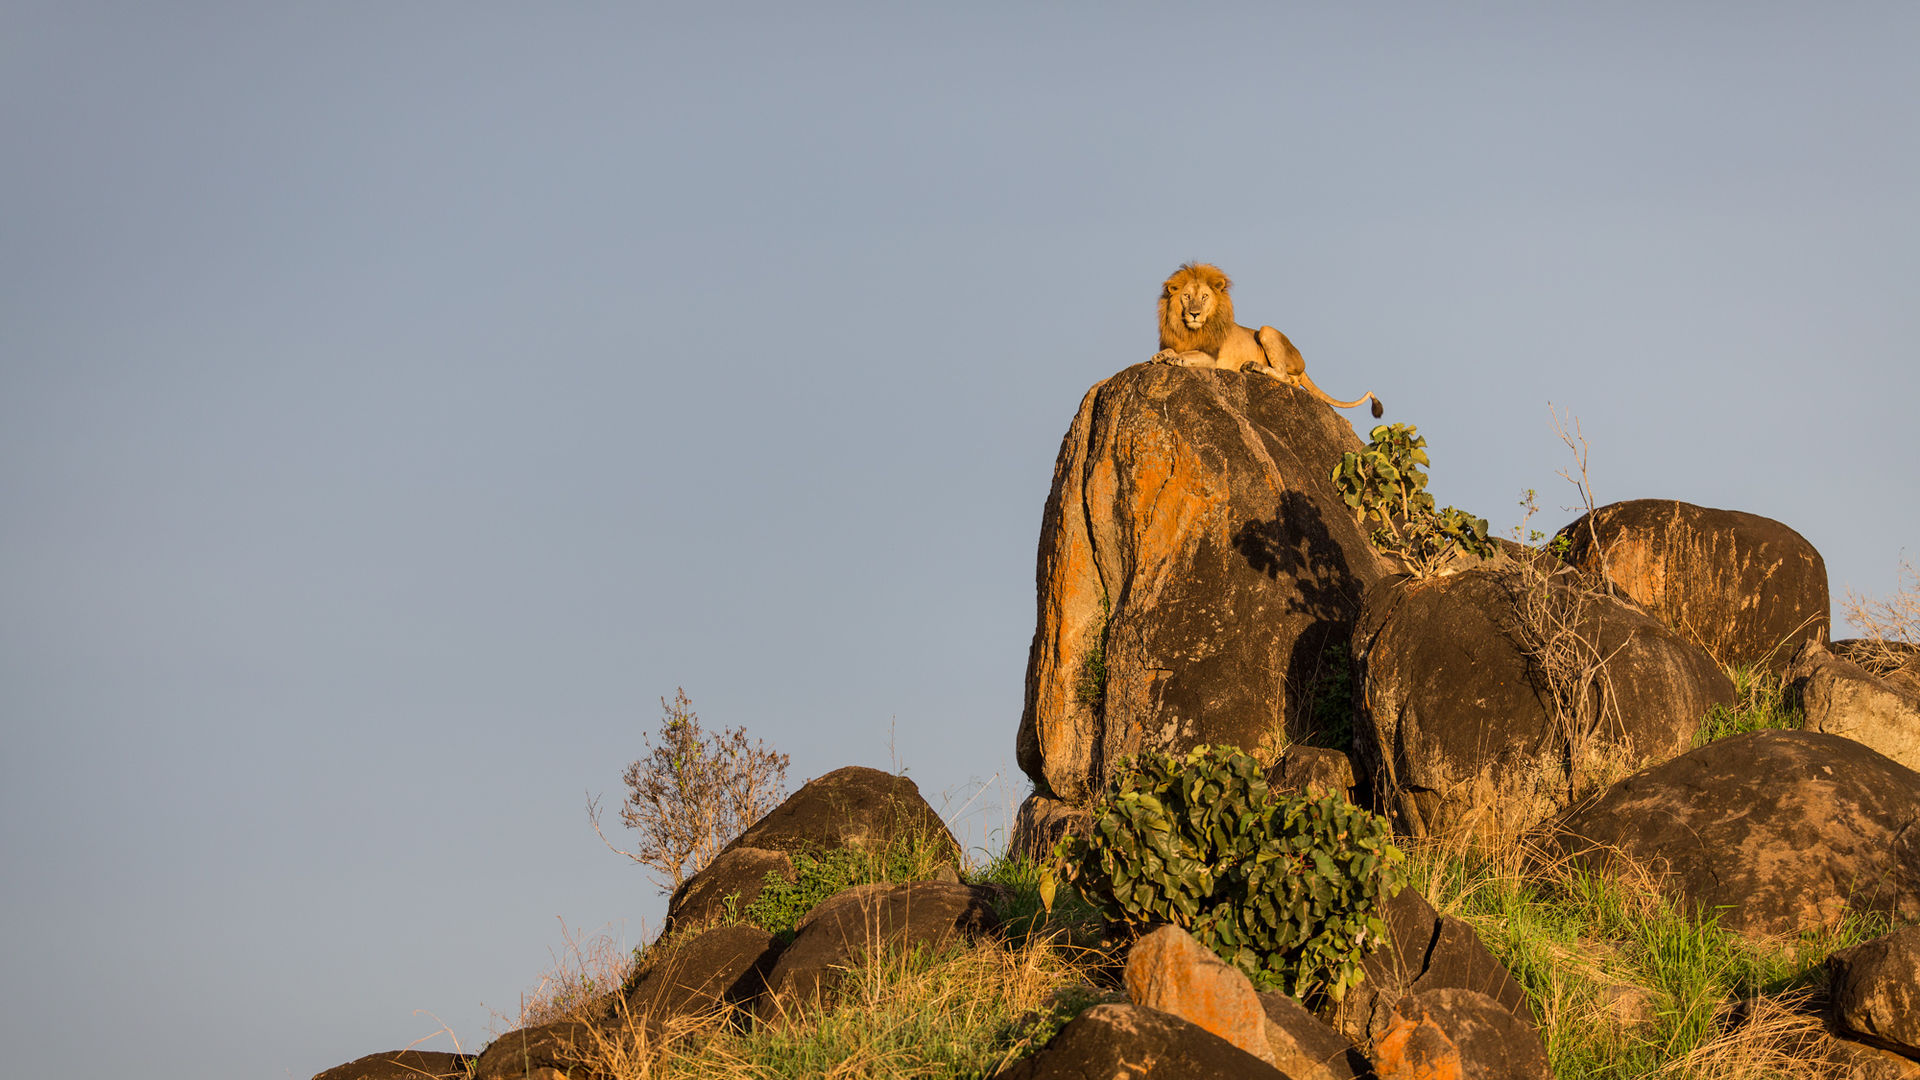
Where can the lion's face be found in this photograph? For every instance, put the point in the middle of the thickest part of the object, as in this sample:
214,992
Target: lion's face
1194,304
1195,310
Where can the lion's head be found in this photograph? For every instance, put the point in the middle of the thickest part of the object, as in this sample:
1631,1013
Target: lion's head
1195,311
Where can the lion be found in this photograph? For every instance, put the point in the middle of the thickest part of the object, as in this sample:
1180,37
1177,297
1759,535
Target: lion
1197,330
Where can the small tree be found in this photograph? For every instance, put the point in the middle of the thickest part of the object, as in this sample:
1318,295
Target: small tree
694,792
1386,485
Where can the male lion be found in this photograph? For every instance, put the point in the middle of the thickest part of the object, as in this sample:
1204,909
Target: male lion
1197,330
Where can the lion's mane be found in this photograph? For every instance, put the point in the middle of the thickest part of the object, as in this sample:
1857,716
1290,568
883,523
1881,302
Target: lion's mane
1212,333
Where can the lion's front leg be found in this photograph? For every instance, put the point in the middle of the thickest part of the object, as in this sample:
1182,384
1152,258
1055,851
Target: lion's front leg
1191,358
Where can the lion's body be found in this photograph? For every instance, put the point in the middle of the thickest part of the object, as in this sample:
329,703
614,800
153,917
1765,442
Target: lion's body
1197,329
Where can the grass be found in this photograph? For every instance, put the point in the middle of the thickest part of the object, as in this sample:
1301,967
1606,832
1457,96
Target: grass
1625,982
1760,704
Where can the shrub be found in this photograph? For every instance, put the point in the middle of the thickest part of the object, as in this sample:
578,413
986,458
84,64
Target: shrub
1385,484
1286,888
693,792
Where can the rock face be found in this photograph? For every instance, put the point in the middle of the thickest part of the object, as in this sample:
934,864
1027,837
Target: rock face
1195,567
1168,970
1842,698
1128,1042
1875,990
1776,830
1745,588
849,924
1456,723
402,1065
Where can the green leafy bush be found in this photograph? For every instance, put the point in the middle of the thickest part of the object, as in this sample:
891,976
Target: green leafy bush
1286,888
1387,486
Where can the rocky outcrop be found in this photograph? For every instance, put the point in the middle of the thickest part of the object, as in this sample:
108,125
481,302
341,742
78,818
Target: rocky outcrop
1842,698
1743,587
1457,722
852,924
1196,566
1875,991
1128,1042
1456,1032
1776,831
402,1065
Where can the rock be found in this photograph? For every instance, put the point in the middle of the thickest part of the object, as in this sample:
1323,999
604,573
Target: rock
402,1065
1195,568
853,807
1457,727
1847,1060
1425,951
1042,822
1777,831
702,973
1747,589
1168,970
1313,771
738,872
1304,1047
1842,698
850,924
1416,1048
1490,1042
520,1055
1875,991
1128,1042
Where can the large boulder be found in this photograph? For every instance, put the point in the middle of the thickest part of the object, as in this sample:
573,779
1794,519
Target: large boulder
403,1065
1460,723
852,807
1842,698
1304,1047
1875,991
1776,831
1129,1042
855,923
1196,569
1743,587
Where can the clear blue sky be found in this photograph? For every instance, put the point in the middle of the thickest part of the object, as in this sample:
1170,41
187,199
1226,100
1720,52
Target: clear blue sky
397,400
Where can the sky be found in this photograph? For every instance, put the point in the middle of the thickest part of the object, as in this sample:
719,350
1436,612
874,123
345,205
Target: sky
398,400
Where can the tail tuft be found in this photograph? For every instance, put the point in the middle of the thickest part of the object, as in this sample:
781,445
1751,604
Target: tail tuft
1378,409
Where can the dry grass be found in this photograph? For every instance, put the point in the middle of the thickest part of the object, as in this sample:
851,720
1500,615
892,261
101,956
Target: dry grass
1890,628
963,1012
586,971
